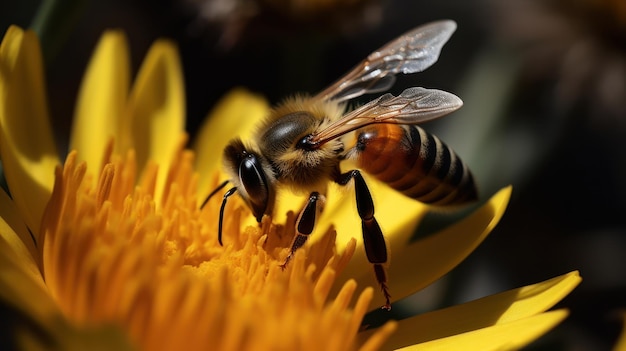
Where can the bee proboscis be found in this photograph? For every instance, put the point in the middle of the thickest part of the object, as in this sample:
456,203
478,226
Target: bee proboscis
302,142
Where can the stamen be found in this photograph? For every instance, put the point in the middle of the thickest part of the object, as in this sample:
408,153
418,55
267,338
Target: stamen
104,184
112,254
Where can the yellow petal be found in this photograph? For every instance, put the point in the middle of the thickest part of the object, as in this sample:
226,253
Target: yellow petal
236,114
21,284
20,289
156,109
397,214
507,336
15,234
428,259
27,146
502,308
102,99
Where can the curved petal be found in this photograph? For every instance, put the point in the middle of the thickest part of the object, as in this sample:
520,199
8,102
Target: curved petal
19,279
508,336
397,214
102,99
21,284
20,291
416,265
15,234
27,147
156,110
502,308
236,114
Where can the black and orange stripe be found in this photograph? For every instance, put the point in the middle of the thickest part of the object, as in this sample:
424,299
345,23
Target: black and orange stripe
415,163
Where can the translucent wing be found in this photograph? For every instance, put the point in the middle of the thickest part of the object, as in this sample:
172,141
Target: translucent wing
412,106
412,52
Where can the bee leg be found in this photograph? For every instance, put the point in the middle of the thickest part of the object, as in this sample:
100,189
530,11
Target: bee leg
373,239
305,223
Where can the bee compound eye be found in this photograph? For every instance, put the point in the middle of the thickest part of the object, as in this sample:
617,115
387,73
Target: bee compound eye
253,179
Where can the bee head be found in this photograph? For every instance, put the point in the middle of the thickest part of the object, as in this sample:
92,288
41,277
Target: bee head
252,176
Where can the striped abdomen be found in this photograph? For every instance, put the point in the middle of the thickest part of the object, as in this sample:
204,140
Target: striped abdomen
415,163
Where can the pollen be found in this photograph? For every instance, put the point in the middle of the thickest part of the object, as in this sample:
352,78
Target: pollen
114,254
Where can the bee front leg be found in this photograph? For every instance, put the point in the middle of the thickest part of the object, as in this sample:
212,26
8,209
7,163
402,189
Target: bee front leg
373,239
306,223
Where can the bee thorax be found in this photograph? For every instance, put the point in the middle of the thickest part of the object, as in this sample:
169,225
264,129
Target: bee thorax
305,169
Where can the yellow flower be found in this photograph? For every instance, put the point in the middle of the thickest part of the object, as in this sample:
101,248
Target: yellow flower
110,248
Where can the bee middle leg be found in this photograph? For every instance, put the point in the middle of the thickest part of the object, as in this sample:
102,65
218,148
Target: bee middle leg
373,239
305,223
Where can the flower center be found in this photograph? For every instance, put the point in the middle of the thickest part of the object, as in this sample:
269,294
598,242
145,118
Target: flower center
113,254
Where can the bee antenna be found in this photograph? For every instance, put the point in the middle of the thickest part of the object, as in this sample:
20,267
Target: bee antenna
226,196
219,187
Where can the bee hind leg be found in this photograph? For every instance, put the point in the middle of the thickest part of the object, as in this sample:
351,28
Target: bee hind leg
373,239
305,223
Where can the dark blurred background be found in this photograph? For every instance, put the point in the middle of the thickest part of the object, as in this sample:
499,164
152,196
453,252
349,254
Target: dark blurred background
544,86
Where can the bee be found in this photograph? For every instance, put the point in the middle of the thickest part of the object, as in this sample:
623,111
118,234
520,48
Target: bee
303,141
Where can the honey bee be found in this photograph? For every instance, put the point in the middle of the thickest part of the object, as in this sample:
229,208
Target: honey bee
302,142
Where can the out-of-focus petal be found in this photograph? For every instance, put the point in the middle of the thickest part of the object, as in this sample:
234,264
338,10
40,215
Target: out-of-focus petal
27,146
22,287
508,336
620,345
58,334
428,259
14,233
236,114
102,99
156,109
502,308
